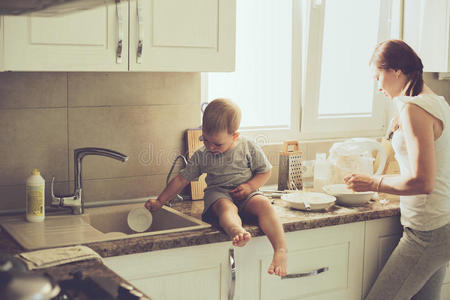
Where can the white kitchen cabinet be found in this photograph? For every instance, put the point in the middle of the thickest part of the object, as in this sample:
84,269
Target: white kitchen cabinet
204,272
155,35
190,36
335,250
198,272
426,29
381,237
82,41
445,293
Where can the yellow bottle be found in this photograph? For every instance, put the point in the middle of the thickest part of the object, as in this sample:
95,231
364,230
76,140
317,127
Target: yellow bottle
35,197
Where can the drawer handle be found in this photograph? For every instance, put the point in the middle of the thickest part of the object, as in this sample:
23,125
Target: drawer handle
120,32
140,17
312,273
232,273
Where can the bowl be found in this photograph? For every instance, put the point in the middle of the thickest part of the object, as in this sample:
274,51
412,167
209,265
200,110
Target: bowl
317,201
139,219
346,196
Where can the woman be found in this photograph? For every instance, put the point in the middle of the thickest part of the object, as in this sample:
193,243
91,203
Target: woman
421,141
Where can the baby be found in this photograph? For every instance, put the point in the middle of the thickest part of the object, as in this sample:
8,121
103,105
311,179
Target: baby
236,168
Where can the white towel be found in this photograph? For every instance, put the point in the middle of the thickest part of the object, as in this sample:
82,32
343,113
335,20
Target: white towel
57,256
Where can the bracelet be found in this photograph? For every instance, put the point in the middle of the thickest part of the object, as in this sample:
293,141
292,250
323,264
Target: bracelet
379,183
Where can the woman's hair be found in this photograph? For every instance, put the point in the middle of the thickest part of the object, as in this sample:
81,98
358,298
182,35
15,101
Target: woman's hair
221,115
397,55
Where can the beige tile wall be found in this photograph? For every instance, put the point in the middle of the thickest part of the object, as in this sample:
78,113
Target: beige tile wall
45,116
441,87
308,149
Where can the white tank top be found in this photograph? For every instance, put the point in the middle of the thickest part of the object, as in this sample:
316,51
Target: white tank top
427,212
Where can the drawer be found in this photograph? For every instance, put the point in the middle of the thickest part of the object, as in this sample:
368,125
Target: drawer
332,260
193,284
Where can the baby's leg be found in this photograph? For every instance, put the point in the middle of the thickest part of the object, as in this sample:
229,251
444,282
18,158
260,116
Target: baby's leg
230,221
270,224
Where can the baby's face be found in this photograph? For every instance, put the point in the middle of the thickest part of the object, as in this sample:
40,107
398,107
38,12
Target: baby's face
219,142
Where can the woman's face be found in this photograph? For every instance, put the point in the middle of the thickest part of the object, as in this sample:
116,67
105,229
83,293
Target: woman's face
390,82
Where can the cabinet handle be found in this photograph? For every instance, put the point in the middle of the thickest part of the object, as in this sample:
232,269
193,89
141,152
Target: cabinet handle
312,273
232,273
140,17
120,32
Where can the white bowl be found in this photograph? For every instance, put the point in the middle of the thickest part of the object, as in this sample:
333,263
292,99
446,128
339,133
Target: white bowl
139,219
346,196
317,201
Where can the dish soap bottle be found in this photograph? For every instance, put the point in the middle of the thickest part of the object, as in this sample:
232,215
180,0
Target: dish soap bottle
35,197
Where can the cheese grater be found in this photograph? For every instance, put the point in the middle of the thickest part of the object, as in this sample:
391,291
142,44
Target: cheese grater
290,171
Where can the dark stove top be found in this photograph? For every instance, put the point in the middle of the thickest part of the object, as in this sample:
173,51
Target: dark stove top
95,288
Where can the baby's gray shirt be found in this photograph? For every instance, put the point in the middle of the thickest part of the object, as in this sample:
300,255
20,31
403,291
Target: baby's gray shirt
229,169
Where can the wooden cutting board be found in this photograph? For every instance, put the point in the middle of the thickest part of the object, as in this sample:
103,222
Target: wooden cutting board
391,166
193,143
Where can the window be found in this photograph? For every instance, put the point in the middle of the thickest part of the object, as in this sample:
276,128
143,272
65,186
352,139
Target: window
266,83
330,43
339,95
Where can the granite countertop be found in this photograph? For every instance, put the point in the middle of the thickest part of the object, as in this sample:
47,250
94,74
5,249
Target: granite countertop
292,220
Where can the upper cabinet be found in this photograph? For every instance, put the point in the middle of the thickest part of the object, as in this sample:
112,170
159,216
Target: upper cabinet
180,35
135,35
82,41
427,29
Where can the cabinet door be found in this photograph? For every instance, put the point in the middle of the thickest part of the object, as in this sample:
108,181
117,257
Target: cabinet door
82,41
186,36
199,272
381,237
445,293
334,252
427,30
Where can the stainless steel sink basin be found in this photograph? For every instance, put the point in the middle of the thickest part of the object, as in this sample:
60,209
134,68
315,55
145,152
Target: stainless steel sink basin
97,224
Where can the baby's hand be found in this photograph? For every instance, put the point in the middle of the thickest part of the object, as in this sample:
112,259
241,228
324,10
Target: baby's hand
241,192
153,204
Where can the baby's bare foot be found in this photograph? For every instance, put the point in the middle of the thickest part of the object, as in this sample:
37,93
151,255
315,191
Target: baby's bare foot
240,237
279,262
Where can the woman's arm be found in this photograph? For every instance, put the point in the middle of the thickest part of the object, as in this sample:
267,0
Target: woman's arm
417,126
420,136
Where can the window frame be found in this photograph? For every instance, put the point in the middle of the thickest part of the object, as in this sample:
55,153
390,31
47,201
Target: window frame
268,135
315,127
305,123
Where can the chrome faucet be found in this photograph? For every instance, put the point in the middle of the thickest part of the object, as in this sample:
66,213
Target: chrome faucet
75,201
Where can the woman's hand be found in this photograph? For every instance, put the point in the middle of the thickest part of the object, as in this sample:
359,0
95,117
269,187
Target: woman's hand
153,204
242,191
361,182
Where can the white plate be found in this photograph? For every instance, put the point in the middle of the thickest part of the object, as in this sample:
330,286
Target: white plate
317,201
139,219
346,196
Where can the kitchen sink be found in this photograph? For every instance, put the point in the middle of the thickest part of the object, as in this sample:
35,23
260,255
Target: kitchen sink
113,220
95,225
